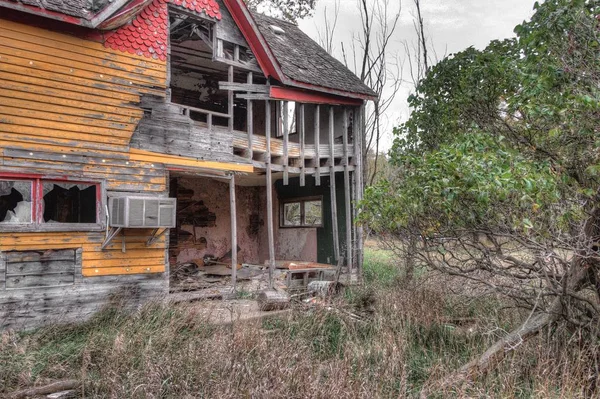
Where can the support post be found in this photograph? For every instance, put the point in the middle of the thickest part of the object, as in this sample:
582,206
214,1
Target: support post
359,137
347,203
234,254
286,140
334,220
302,147
317,145
271,235
250,119
230,98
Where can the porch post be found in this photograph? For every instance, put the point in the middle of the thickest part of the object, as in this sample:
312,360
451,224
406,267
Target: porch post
269,195
347,204
317,145
233,231
249,119
334,220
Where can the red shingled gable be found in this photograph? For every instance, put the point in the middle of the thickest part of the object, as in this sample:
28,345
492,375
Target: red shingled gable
147,34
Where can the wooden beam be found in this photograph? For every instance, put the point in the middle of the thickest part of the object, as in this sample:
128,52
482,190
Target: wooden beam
230,99
249,87
286,140
232,206
270,233
302,146
347,203
317,144
334,219
250,118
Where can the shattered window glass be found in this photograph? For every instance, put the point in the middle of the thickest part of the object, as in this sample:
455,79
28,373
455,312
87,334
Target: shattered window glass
292,214
69,202
15,201
313,213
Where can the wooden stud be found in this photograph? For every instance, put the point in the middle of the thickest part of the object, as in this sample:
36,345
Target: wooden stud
286,139
317,144
250,119
232,206
271,235
347,204
302,146
230,98
334,219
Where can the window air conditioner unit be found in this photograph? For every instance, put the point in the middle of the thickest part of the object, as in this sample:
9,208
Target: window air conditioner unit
141,212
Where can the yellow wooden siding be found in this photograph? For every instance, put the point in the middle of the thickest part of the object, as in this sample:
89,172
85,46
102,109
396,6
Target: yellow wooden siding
68,107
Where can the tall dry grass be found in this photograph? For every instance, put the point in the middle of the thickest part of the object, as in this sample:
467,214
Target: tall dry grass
405,336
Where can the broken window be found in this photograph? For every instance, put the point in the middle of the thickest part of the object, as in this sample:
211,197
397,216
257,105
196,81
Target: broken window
37,201
302,213
69,203
15,201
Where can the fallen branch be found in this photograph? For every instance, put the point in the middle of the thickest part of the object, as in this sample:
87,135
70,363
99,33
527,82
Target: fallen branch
58,386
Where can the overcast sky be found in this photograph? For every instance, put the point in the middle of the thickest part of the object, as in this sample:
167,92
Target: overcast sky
451,25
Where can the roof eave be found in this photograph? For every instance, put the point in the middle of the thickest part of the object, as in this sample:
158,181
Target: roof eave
92,22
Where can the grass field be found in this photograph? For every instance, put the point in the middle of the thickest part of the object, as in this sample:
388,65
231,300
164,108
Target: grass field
383,339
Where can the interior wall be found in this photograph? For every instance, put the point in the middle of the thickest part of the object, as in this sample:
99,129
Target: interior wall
290,243
338,118
212,197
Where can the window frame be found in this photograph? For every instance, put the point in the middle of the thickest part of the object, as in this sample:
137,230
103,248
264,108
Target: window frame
302,201
37,210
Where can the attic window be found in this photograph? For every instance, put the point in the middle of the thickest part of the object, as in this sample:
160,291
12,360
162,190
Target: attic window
277,30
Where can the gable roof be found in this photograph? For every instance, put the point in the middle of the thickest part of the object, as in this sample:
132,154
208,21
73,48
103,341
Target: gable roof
303,60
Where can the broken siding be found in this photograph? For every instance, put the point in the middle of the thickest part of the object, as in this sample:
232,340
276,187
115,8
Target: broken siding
68,107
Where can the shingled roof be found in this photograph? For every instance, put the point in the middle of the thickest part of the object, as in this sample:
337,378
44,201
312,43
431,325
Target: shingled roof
76,8
303,60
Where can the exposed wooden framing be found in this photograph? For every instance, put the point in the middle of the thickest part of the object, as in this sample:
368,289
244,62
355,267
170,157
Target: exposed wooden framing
250,118
271,235
232,206
249,87
286,139
230,98
317,144
347,203
236,53
334,219
302,137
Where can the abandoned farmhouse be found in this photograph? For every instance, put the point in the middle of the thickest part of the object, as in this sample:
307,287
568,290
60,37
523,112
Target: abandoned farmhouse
137,136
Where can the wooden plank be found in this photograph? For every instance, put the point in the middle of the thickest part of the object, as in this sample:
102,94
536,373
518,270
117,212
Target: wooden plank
116,271
250,119
230,99
39,256
57,55
334,219
247,87
141,155
111,110
347,203
317,144
234,241
81,46
302,146
41,267
286,140
39,280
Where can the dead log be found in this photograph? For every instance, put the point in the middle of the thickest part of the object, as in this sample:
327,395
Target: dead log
577,277
269,300
58,386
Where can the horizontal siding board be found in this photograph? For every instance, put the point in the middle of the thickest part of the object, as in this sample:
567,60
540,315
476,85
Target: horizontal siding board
80,46
31,91
32,256
32,267
39,280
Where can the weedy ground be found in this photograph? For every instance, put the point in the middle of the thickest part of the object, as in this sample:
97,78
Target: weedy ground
383,339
